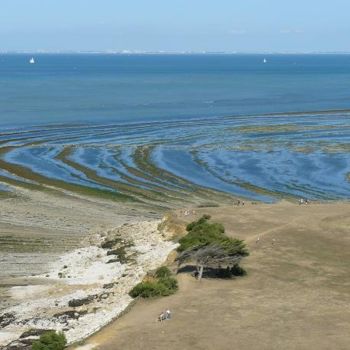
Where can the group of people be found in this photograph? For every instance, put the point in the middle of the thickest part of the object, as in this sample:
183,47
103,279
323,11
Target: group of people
303,201
165,315
187,212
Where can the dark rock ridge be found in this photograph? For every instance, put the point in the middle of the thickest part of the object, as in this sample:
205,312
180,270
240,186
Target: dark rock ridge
84,301
6,319
80,302
108,285
110,243
63,317
26,340
34,333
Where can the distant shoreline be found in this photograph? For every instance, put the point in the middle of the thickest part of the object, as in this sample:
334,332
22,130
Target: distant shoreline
165,53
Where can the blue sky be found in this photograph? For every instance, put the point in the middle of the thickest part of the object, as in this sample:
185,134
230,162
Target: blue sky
175,25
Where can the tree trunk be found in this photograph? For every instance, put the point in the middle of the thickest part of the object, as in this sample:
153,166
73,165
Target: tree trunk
200,272
178,268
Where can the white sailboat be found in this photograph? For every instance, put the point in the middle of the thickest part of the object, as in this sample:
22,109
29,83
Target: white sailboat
32,61
265,60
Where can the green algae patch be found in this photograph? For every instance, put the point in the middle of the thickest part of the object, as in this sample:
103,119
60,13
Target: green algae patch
132,192
4,194
265,128
43,181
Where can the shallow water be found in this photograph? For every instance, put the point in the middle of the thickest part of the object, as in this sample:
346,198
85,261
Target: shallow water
256,157
149,126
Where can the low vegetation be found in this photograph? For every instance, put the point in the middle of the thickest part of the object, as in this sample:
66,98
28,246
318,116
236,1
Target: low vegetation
161,284
50,341
163,272
207,245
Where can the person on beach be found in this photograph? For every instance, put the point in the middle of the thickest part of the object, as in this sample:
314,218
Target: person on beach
164,316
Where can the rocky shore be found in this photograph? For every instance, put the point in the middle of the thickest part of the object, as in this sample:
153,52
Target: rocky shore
84,289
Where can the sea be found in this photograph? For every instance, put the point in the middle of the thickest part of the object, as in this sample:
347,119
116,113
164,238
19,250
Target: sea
262,127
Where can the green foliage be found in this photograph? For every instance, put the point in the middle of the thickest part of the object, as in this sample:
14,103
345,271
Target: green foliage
50,341
202,233
146,290
197,224
170,283
162,285
163,271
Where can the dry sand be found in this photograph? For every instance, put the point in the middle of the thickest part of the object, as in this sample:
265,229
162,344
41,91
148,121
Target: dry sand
296,294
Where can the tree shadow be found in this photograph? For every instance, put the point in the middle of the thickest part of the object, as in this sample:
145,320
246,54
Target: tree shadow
214,272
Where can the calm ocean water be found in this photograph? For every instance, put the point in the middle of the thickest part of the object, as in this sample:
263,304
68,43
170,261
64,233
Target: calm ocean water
205,119
71,88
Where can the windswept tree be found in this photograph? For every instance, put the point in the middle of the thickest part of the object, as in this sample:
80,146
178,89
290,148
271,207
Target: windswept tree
207,246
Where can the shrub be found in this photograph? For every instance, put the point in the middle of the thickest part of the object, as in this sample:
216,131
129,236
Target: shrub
170,283
163,271
50,341
159,287
147,290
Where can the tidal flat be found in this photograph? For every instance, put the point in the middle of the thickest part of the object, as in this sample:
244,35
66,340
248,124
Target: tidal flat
66,189
164,163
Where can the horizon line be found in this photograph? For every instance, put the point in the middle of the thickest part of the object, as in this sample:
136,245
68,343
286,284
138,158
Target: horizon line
161,52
